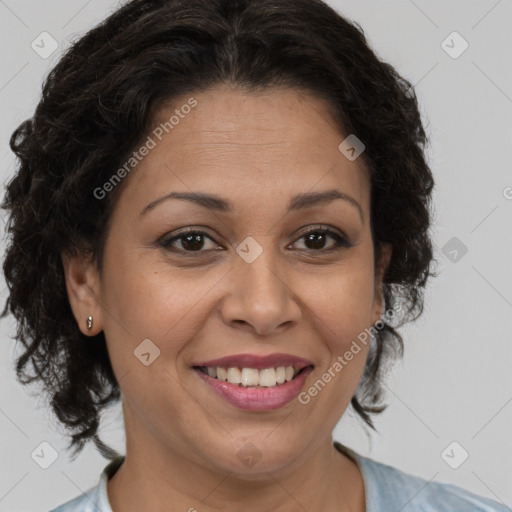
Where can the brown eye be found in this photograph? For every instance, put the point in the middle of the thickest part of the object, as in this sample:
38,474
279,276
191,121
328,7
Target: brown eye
316,239
189,241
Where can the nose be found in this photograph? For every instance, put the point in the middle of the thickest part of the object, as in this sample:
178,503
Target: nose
261,298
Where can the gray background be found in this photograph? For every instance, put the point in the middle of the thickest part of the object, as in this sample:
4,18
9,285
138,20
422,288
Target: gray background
454,382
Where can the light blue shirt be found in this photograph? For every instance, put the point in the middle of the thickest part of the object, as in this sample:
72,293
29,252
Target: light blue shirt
387,490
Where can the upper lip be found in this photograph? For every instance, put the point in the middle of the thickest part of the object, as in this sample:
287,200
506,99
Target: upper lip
257,362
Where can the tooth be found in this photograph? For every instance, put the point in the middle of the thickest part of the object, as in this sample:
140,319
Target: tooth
280,374
222,374
268,377
234,376
250,377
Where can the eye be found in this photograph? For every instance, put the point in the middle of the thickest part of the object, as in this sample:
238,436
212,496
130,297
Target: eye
315,240
188,241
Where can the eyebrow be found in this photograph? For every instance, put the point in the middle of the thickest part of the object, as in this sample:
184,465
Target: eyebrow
298,202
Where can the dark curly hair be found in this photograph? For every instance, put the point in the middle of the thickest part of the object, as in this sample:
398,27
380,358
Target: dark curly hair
99,101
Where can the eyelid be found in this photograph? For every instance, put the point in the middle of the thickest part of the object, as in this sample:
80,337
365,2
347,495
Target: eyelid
320,227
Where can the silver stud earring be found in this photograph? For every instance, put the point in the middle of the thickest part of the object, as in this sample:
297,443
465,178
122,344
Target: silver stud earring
89,322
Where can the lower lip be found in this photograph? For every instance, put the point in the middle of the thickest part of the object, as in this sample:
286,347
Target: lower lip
257,399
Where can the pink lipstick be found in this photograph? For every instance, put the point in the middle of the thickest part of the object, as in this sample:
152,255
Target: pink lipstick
258,383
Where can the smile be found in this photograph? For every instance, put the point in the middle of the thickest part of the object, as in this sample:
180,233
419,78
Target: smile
255,397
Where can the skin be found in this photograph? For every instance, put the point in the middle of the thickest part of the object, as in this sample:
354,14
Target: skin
257,151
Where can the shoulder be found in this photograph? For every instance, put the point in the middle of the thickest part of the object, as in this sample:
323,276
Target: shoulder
391,487
87,502
95,499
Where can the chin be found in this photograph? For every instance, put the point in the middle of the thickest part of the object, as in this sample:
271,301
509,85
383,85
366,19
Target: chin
253,457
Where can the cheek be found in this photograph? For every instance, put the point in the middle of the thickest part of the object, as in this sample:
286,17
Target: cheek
167,307
150,298
342,300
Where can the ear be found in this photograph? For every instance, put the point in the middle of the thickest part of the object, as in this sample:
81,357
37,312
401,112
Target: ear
82,285
382,265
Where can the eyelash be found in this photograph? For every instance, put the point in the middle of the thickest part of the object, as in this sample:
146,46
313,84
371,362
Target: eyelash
341,241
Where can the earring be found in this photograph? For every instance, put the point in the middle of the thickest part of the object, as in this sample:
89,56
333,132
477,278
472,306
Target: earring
89,322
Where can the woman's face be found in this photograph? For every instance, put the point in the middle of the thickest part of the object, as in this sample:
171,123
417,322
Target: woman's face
252,282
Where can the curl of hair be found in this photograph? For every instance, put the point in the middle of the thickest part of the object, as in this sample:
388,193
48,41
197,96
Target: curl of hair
99,101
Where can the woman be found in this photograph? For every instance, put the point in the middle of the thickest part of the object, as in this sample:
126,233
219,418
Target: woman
221,217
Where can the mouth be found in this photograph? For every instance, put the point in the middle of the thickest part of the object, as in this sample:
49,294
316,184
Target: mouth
254,382
253,377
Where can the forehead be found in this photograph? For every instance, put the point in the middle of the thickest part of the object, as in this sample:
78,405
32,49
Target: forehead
271,145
